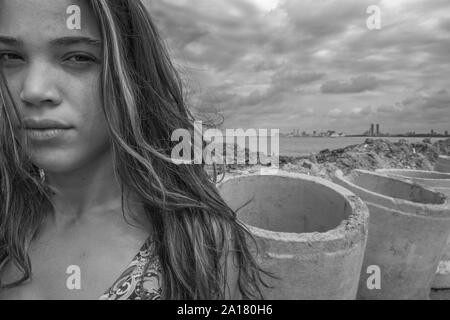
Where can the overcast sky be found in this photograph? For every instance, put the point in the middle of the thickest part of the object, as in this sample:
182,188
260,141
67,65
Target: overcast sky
313,64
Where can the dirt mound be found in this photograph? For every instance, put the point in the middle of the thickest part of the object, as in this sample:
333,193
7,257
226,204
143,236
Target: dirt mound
370,155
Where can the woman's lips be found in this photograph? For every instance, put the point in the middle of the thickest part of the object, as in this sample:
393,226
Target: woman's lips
45,134
44,124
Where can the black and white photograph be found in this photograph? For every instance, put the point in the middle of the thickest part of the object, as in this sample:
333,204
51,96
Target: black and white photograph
242,151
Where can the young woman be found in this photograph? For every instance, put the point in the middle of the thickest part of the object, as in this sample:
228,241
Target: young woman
91,205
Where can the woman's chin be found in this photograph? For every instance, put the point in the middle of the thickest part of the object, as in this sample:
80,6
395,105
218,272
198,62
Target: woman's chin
55,165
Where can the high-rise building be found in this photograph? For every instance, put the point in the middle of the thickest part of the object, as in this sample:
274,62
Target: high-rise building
446,133
372,130
378,130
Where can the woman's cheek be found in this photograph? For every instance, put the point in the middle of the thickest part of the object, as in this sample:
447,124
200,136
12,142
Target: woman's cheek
94,128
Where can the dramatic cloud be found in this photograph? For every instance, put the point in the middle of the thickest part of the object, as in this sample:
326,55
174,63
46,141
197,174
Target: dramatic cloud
313,65
355,85
429,107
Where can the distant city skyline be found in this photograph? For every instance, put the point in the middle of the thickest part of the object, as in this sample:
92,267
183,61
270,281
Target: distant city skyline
313,64
374,130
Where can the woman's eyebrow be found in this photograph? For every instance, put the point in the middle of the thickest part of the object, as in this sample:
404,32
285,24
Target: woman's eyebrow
64,41
10,41
68,41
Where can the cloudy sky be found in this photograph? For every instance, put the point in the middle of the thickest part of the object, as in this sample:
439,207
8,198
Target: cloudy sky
313,64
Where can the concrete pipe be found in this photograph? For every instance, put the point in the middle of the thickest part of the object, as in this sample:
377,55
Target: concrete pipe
408,232
440,182
309,232
443,164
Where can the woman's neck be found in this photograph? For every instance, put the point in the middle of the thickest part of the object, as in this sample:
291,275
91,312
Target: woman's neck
90,190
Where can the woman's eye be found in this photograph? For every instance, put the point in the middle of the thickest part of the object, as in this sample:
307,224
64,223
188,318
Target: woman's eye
80,59
9,58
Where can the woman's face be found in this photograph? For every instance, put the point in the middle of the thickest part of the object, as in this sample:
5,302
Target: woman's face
52,69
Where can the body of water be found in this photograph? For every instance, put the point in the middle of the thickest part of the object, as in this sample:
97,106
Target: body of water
305,146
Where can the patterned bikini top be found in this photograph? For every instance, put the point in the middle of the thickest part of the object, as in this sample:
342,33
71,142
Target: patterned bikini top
141,280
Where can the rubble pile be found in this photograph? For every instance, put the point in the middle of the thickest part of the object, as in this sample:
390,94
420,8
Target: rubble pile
370,155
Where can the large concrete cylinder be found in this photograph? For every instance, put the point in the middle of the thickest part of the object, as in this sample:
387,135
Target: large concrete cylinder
440,182
311,233
408,232
443,164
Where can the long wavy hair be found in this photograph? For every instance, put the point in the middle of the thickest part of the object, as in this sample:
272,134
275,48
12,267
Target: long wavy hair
143,104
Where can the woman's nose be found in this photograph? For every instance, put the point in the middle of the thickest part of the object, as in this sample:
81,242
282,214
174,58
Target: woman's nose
40,86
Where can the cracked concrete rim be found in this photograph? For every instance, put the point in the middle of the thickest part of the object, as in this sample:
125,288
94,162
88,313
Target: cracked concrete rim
440,210
350,232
